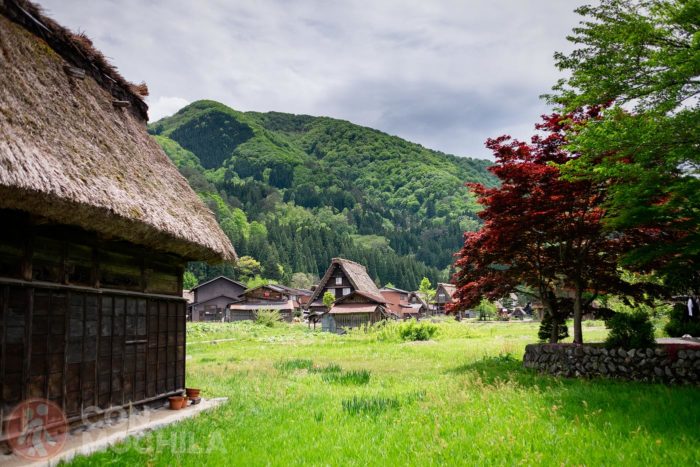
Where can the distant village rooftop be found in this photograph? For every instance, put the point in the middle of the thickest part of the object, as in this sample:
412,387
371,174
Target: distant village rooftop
356,274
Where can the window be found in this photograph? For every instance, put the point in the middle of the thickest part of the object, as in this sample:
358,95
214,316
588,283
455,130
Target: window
338,281
346,291
441,296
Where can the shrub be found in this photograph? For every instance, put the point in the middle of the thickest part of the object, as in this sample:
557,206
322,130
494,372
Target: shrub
414,331
267,317
545,330
680,324
630,331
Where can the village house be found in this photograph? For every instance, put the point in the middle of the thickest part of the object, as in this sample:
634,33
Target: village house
403,304
286,300
358,301
419,307
211,299
444,296
97,228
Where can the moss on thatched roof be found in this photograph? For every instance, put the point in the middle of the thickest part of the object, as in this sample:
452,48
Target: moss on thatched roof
69,154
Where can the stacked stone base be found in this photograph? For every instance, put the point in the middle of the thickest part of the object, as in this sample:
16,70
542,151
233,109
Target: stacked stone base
667,364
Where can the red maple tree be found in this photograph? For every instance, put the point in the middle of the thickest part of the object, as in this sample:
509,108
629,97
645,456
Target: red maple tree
541,231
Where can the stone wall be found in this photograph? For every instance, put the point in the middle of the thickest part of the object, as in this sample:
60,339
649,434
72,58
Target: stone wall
666,363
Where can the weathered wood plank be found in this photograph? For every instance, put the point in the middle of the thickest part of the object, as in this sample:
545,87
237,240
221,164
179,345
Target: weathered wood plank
74,71
4,290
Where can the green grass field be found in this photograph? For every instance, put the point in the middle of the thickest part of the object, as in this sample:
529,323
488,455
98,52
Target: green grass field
304,397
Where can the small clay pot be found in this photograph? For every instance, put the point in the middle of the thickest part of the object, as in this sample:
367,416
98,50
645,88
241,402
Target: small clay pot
176,402
192,393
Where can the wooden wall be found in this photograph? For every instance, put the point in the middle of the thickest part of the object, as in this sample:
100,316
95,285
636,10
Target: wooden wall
86,322
84,350
351,320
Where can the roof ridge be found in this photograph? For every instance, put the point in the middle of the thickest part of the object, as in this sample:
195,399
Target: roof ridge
344,260
217,278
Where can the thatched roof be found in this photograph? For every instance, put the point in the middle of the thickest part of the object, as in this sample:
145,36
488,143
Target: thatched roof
449,289
356,274
393,289
70,153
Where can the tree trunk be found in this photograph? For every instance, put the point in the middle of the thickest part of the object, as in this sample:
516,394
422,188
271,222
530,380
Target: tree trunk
554,334
578,315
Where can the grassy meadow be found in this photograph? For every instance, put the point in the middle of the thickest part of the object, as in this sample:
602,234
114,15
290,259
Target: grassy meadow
298,396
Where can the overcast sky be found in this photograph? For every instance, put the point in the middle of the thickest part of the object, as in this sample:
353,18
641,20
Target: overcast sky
445,74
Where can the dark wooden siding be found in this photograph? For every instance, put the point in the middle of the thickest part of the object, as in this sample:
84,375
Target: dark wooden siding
86,322
83,350
354,320
337,289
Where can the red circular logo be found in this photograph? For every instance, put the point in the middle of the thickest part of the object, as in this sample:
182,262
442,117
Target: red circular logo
36,429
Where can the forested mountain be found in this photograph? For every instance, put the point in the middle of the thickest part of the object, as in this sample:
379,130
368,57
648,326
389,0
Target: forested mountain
293,191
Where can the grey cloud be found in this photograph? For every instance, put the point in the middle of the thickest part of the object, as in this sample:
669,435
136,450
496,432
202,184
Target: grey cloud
453,120
443,73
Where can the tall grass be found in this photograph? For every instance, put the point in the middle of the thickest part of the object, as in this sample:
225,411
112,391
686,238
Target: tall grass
369,405
295,364
330,368
353,377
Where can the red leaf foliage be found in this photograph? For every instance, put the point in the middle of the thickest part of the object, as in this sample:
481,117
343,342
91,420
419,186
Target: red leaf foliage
539,230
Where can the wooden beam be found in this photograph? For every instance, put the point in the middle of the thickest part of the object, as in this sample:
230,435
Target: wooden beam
123,345
26,265
145,273
120,104
4,290
95,272
28,318
180,279
66,339
74,71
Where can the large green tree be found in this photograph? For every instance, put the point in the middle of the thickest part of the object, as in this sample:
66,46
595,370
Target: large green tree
641,59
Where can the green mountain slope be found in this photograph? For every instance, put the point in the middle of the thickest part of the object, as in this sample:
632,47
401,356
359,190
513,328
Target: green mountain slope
292,191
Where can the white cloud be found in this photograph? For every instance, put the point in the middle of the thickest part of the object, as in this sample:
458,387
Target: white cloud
164,106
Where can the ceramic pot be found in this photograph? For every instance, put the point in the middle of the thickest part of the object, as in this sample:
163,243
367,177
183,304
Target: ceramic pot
176,402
